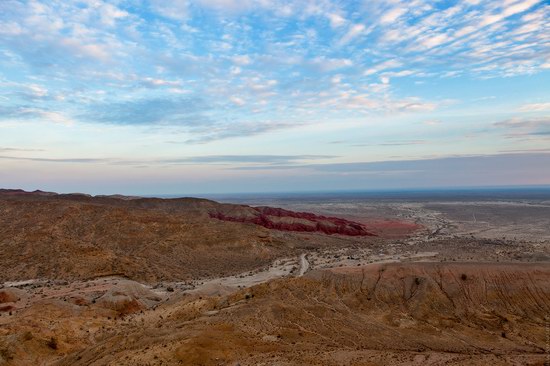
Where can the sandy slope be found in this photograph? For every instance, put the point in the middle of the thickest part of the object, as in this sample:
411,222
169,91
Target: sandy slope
380,314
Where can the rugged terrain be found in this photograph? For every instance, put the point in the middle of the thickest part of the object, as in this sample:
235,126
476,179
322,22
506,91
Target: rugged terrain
115,280
44,235
422,312
415,313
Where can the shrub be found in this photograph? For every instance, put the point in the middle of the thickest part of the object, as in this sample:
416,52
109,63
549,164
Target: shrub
52,343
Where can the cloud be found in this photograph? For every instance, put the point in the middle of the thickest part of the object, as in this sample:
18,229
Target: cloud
330,64
109,14
154,111
55,35
393,143
248,159
222,131
535,107
242,60
367,103
17,149
31,113
520,127
353,32
388,64
57,160
174,9
336,20
149,82
507,11
233,6
272,160
392,15
237,101
192,114
449,171
37,90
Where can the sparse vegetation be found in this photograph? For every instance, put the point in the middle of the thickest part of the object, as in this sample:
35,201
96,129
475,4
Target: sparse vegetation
6,354
52,343
27,336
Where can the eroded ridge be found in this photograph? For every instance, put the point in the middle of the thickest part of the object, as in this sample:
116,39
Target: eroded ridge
285,220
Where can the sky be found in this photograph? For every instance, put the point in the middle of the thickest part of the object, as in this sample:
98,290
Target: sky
221,96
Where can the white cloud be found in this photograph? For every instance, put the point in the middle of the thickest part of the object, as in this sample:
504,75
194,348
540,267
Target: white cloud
237,101
514,8
94,51
535,107
174,9
519,7
44,116
231,5
242,60
110,14
154,82
392,15
330,64
11,28
402,73
434,41
336,20
353,32
37,90
389,64
465,31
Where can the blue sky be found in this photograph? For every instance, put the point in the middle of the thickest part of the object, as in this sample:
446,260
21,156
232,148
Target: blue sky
198,96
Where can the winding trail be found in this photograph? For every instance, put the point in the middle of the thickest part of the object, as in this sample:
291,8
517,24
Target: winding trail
304,265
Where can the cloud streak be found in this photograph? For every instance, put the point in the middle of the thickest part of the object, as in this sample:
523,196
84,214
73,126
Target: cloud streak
520,127
272,160
482,165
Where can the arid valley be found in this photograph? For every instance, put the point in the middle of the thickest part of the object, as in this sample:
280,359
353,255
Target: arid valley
114,280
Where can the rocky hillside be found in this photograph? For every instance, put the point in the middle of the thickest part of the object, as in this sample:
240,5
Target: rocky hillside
77,236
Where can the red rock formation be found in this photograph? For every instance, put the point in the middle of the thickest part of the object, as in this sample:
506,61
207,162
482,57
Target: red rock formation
280,219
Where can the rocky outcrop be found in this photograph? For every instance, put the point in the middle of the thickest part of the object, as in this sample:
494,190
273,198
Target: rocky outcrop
128,297
280,219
